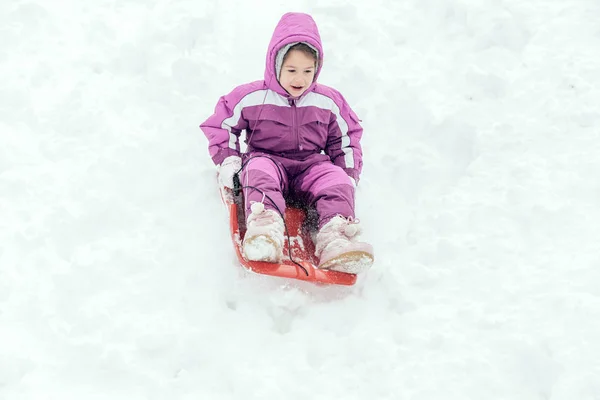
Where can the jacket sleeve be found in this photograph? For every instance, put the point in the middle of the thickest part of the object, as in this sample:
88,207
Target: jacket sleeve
223,128
343,141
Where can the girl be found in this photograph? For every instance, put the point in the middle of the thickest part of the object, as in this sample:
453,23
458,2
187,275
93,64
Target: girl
302,140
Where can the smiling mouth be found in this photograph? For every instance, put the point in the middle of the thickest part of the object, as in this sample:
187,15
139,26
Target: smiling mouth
296,88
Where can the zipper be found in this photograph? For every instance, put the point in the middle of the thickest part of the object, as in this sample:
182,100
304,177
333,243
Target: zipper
295,125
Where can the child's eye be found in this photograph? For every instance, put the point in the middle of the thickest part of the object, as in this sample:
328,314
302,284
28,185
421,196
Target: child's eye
308,71
291,70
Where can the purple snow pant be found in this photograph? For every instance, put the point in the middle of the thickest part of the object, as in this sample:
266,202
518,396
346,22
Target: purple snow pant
315,181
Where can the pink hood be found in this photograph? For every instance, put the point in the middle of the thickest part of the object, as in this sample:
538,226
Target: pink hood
292,27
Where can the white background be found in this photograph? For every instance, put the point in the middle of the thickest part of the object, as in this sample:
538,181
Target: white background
480,194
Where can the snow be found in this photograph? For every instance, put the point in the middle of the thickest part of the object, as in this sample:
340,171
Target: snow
480,194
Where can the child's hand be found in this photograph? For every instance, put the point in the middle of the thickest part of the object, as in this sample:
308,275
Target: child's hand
229,167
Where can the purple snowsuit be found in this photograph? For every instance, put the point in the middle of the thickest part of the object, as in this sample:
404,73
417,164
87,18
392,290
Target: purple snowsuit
306,146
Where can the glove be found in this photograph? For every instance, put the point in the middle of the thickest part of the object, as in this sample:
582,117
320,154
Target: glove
227,169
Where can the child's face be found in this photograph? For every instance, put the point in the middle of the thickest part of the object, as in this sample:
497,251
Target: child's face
297,72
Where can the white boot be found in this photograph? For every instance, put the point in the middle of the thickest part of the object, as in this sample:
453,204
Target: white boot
263,240
338,248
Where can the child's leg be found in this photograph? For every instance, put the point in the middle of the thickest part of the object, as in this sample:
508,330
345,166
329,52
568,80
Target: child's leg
263,176
329,188
337,243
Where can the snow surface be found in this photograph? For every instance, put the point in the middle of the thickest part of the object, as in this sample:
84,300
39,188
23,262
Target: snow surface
480,194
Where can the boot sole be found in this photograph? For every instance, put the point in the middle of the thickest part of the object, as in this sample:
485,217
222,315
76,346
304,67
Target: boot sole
263,238
352,262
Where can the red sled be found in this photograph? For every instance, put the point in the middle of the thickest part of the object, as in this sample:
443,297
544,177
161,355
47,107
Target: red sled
299,261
